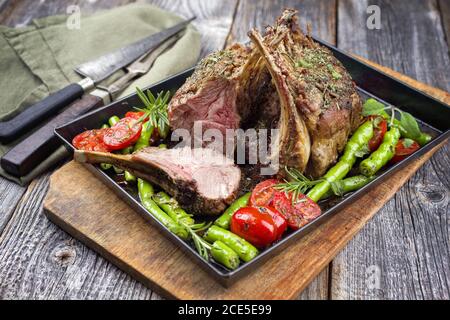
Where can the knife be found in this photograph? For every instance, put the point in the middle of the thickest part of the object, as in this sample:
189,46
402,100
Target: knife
138,67
23,157
94,72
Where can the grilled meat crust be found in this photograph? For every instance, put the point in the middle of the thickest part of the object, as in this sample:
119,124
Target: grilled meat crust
203,182
309,78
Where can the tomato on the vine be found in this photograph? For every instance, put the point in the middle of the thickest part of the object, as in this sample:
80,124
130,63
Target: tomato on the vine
297,213
404,148
123,134
257,225
91,140
263,193
380,129
135,115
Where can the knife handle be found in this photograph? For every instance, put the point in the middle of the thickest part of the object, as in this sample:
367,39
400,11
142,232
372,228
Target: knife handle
26,155
14,128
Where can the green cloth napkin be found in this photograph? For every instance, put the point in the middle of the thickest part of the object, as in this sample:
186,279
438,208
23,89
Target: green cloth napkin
39,59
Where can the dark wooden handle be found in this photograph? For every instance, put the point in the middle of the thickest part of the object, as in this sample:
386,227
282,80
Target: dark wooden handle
14,128
26,155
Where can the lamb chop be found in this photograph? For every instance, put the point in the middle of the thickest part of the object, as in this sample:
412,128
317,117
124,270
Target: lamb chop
203,181
315,90
213,95
285,81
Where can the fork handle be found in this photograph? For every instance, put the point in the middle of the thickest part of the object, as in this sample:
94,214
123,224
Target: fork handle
121,83
146,62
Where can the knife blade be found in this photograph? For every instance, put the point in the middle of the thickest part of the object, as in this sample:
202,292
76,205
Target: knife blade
104,66
94,72
139,67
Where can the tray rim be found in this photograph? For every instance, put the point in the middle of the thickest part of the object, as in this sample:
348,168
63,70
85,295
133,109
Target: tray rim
227,278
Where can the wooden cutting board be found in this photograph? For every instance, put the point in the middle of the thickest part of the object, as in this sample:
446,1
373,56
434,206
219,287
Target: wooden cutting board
85,208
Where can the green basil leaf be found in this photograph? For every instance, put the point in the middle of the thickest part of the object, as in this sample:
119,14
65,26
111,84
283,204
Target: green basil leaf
410,125
372,107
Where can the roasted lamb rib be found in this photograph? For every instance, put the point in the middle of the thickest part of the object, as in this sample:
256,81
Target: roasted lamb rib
283,80
311,98
313,86
203,181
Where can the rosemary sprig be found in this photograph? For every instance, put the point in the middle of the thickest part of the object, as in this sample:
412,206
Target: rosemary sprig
155,109
201,245
297,184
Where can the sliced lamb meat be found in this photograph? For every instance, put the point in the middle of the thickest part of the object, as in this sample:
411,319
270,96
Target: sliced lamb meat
210,95
286,81
314,89
203,181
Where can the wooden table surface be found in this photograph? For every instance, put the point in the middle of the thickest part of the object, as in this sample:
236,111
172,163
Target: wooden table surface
406,246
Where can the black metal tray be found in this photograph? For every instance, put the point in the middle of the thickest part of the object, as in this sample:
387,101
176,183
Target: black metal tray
432,115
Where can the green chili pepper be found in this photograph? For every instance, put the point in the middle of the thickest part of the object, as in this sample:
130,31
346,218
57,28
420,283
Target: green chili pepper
224,255
224,220
129,177
380,157
144,139
172,208
245,250
127,150
341,187
357,142
377,108
146,193
117,170
105,166
421,139
113,120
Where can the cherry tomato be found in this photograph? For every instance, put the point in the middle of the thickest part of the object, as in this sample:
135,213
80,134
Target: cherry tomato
404,148
380,130
263,193
298,214
135,115
91,140
279,221
255,225
123,134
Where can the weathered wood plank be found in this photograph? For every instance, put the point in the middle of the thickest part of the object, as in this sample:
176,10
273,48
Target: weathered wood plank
410,41
444,8
318,288
258,14
322,17
214,19
10,194
38,260
408,240
20,13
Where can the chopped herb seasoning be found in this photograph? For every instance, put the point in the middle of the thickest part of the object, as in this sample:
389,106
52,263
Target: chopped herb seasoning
303,64
336,75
